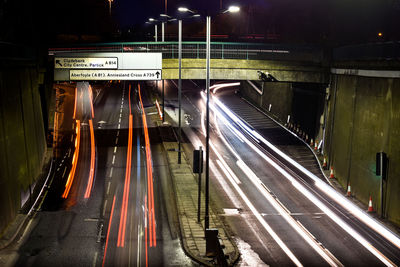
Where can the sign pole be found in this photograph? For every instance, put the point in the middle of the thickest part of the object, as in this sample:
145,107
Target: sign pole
206,219
180,91
163,102
199,189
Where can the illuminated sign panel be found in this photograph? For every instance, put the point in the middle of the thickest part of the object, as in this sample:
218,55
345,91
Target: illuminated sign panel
86,63
87,75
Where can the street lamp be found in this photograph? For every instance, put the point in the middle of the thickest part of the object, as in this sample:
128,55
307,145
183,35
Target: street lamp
231,9
181,9
152,20
109,6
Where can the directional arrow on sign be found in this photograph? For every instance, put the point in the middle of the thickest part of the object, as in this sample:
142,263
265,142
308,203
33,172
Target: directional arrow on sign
158,74
58,62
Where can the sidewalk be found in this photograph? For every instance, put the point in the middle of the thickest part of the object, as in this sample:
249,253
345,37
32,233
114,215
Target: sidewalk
185,188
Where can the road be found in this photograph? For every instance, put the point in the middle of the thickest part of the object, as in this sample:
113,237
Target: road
279,215
105,207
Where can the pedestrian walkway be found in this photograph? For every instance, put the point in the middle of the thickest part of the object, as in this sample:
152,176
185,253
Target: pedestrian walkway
186,193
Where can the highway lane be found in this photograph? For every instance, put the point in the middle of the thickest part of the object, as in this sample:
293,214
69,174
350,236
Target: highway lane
336,240
381,243
103,217
136,230
65,231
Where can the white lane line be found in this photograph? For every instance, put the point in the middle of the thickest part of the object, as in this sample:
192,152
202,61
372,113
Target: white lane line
119,126
119,121
120,110
94,259
116,139
113,160
104,207
120,115
115,148
111,171
118,133
65,169
108,187
266,226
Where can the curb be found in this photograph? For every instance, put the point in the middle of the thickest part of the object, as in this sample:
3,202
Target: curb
193,239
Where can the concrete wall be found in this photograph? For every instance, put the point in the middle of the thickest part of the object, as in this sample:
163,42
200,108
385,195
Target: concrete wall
304,102
22,137
363,119
241,69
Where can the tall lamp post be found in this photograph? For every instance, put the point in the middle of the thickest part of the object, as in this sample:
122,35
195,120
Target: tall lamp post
232,9
181,9
166,19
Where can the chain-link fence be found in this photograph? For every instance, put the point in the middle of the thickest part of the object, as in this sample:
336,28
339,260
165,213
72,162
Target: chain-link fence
219,50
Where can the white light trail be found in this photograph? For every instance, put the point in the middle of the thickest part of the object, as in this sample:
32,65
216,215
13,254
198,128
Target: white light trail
330,191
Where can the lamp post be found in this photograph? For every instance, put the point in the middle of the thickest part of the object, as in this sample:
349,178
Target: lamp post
180,89
231,9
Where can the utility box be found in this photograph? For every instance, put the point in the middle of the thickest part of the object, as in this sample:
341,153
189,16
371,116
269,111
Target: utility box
381,164
198,161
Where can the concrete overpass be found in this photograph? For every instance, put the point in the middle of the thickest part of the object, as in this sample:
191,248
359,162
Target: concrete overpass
229,61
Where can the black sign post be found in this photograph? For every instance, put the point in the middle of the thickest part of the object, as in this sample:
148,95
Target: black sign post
198,168
381,170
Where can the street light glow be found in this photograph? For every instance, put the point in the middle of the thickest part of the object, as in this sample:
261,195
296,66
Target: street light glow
183,9
151,19
234,9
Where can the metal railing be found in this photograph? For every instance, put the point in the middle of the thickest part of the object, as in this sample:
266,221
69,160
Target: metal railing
372,52
197,50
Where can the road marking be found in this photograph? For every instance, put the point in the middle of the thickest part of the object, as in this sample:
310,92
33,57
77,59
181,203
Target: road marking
115,148
108,187
111,171
104,207
119,126
113,160
120,115
116,139
118,133
120,110
65,169
119,121
91,220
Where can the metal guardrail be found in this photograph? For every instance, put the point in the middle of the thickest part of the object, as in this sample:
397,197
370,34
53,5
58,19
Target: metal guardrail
197,50
363,52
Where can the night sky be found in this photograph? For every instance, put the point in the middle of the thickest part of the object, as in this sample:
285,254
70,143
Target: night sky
305,21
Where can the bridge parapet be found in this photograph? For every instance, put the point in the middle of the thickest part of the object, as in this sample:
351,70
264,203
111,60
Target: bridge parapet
197,50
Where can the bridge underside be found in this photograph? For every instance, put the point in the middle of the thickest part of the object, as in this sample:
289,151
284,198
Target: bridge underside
242,69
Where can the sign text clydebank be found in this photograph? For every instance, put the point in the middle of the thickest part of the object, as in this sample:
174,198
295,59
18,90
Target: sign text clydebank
86,63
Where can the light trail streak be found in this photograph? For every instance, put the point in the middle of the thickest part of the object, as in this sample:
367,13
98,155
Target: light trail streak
76,99
331,192
152,230
74,160
91,99
284,212
145,229
124,208
108,231
216,87
92,160
159,110
302,189
253,209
